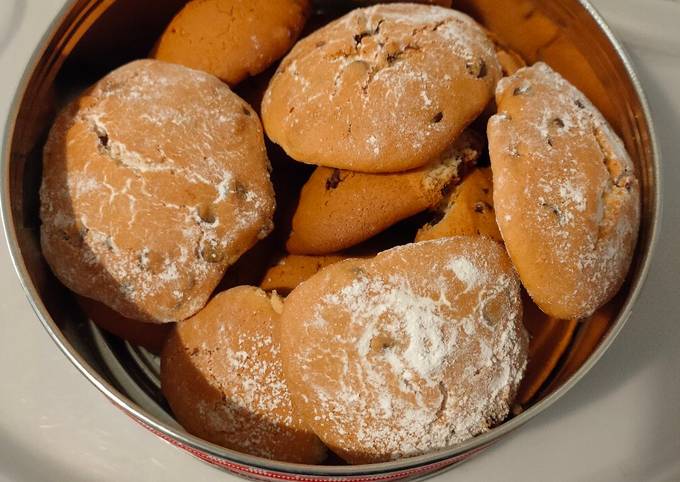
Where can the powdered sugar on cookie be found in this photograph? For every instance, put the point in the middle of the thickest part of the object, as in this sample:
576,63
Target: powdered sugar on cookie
382,88
565,190
222,375
416,350
145,212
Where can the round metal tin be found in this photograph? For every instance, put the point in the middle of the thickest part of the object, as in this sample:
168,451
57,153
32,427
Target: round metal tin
90,37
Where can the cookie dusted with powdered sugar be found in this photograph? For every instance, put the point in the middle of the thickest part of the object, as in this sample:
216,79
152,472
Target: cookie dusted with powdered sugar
154,182
413,351
382,89
566,197
221,374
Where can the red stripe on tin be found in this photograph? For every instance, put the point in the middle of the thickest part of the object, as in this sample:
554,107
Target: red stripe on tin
263,474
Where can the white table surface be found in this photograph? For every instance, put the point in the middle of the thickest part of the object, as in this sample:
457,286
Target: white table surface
620,423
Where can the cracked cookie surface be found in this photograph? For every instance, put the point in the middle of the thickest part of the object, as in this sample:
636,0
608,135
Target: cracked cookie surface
382,89
155,180
466,211
409,352
566,195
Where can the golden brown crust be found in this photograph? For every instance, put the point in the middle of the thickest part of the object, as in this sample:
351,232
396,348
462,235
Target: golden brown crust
339,209
511,61
293,269
232,39
467,211
382,89
221,374
566,196
154,182
411,351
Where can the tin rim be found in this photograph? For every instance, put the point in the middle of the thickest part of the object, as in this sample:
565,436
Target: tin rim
436,460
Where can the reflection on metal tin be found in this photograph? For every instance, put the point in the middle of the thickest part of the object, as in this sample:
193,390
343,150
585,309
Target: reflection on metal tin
567,34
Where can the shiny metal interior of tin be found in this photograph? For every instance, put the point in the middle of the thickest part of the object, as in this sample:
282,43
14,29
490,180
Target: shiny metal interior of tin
95,36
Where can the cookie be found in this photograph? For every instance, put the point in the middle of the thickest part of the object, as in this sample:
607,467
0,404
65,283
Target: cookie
382,89
221,374
154,182
293,269
148,335
566,196
339,208
524,26
549,338
232,39
415,350
510,60
467,211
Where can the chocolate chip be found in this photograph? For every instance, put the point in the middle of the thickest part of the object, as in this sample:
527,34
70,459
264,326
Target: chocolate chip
396,52
549,141
103,138
624,181
579,103
476,68
437,117
376,30
206,213
555,210
333,180
381,342
246,111
557,122
211,252
358,38
438,24
521,90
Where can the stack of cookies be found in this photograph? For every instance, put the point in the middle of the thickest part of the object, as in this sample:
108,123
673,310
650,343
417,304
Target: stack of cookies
456,199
